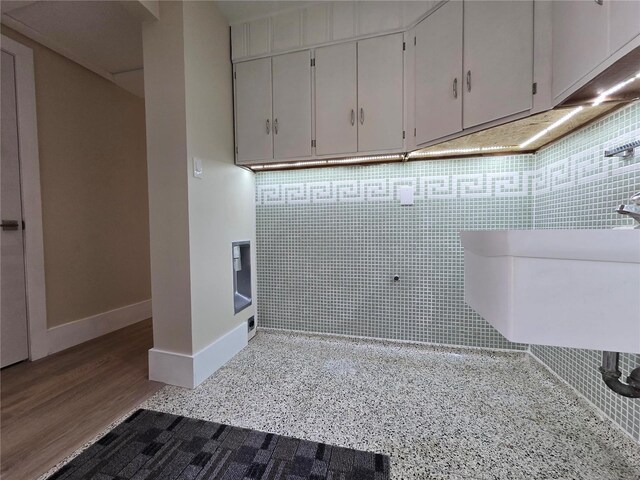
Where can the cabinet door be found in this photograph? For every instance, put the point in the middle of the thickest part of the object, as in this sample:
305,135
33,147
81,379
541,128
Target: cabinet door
380,78
336,99
292,105
624,23
579,40
438,64
253,110
498,59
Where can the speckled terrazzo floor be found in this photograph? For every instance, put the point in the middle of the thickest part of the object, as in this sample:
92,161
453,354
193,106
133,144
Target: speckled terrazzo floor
439,413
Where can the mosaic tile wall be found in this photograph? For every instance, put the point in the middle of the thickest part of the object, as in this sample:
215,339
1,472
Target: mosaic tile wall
577,187
331,240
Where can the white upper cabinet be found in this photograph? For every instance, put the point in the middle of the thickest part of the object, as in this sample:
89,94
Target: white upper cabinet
359,96
380,93
579,40
285,31
343,23
292,105
253,110
238,41
412,11
624,23
498,59
588,37
315,24
273,108
259,36
471,67
438,74
379,16
336,99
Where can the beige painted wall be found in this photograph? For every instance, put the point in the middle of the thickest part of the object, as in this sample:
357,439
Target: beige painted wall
188,88
221,211
91,136
221,205
164,85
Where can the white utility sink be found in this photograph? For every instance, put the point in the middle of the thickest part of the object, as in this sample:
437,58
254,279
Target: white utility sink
568,288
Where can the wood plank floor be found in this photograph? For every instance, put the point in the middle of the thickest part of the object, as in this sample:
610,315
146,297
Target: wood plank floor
50,407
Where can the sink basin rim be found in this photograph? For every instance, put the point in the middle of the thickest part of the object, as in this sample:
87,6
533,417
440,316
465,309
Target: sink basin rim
606,245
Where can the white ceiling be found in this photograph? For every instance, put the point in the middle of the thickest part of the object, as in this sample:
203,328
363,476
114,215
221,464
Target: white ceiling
101,35
241,10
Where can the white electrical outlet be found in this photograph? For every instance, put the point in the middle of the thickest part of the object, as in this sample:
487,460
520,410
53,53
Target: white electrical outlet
405,192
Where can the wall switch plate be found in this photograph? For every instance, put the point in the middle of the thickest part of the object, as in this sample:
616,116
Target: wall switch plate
197,167
405,192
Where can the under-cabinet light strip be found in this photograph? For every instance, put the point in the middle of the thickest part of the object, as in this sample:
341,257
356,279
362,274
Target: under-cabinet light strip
553,126
287,165
461,150
603,96
374,158
313,163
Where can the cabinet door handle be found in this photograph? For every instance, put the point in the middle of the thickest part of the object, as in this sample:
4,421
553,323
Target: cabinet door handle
468,80
455,87
361,116
599,2
353,117
275,126
268,127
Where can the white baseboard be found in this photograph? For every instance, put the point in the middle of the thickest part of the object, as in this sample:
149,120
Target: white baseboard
189,371
171,368
73,333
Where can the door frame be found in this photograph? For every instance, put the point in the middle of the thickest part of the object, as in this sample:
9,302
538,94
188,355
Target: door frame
31,198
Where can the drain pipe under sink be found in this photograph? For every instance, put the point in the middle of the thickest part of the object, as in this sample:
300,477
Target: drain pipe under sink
611,376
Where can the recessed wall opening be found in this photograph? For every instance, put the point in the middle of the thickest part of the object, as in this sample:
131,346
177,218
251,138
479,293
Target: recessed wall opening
241,253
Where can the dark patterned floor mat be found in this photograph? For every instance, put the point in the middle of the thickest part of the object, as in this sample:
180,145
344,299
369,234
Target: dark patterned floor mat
154,445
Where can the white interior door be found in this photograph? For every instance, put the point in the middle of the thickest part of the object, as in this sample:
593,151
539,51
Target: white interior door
336,99
438,64
14,345
498,59
292,105
253,110
380,93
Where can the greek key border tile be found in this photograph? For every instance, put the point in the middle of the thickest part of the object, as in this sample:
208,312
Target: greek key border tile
478,185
